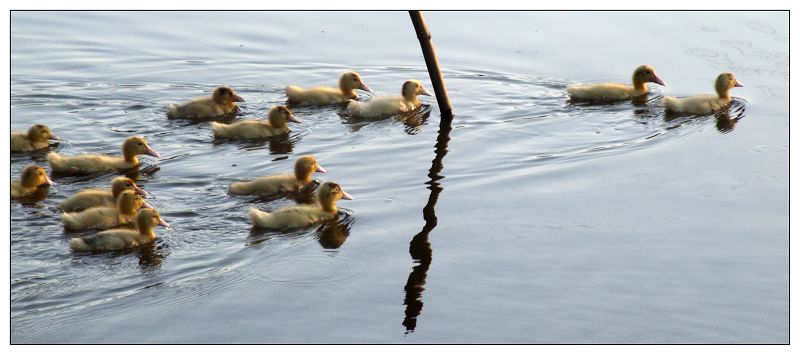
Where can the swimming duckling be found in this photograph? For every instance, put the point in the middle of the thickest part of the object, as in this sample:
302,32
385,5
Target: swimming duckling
36,138
254,129
221,102
614,92
128,203
390,105
100,197
31,178
268,185
122,238
704,104
325,95
89,163
303,215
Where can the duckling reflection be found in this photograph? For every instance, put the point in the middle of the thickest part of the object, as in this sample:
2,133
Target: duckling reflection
726,123
725,118
413,120
151,256
331,235
278,144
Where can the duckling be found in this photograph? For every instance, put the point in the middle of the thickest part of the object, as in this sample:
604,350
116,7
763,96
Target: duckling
89,163
36,138
254,129
31,178
303,215
704,104
100,197
122,238
615,92
221,102
325,95
128,203
268,185
390,105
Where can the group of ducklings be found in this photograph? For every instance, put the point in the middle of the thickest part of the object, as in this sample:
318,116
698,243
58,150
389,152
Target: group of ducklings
128,221
695,105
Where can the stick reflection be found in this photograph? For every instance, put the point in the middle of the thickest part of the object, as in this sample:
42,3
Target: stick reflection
420,247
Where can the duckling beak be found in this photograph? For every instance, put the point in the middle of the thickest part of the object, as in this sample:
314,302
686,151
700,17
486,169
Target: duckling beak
366,88
140,191
294,119
346,196
147,205
738,84
50,182
320,169
152,152
237,98
55,137
162,222
658,80
426,92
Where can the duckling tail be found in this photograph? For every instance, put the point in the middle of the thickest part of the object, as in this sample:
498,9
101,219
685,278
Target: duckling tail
259,218
220,129
78,244
55,161
671,104
71,221
172,110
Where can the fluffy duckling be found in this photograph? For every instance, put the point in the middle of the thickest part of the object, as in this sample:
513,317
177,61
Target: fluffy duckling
614,92
36,138
128,203
118,239
303,215
31,178
390,105
704,104
255,129
325,95
100,197
89,163
222,101
268,185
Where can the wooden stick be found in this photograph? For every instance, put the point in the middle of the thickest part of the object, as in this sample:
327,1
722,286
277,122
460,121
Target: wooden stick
429,53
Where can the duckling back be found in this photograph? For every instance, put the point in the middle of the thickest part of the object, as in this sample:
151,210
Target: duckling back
266,185
698,104
114,239
382,106
96,217
250,129
290,217
85,163
315,96
87,199
601,92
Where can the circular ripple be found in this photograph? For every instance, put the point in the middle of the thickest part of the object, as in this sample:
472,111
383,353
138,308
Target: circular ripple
770,148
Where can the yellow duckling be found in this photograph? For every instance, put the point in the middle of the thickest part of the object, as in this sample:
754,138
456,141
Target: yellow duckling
89,163
704,104
122,238
325,95
390,105
614,92
254,129
100,197
303,215
36,138
221,102
128,203
273,184
31,178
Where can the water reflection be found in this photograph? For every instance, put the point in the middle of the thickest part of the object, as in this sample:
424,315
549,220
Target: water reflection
420,247
725,119
280,144
331,235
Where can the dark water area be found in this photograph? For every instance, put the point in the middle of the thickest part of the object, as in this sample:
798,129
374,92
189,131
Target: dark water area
531,220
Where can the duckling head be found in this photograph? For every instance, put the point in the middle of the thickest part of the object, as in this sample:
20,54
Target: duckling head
225,95
35,176
40,133
147,218
134,146
122,183
129,202
305,166
279,115
645,74
413,88
725,82
350,81
329,193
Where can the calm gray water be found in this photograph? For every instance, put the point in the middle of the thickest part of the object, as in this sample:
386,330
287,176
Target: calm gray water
531,221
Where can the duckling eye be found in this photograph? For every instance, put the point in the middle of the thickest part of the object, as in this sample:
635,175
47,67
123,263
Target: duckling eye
140,143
